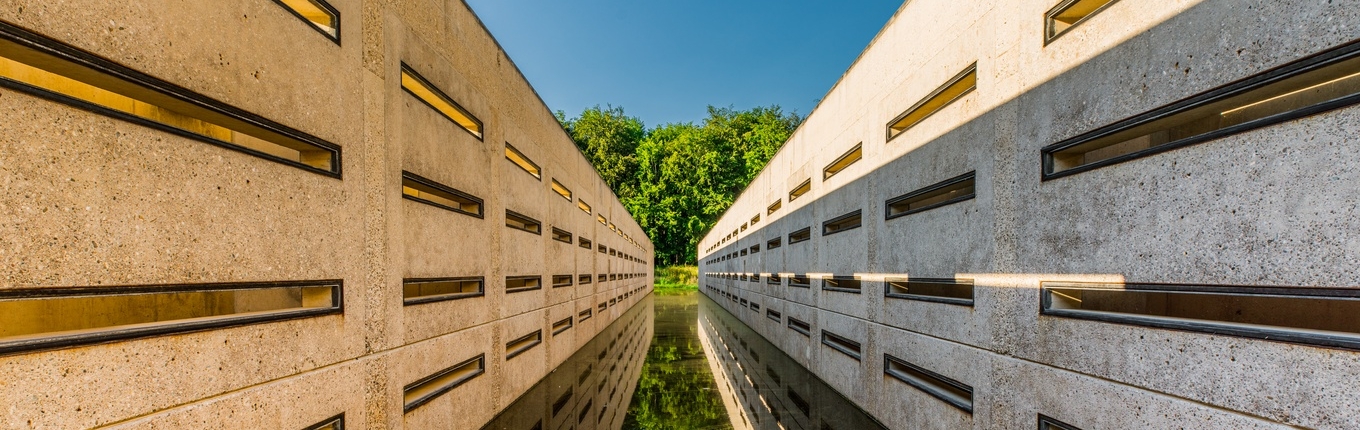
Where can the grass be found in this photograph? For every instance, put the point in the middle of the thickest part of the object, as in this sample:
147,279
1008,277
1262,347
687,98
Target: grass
677,280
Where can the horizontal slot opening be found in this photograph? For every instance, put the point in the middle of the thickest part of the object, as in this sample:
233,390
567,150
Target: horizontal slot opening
801,235
417,188
798,402
845,160
950,191
774,315
800,190
581,417
583,279
46,68
602,278
433,386
953,392
1047,423
841,223
601,219
561,190
1317,84
743,226
561,402
517,284
1068,14
1316,316
561,235
584,315
743,252
774,207
417,291
744,302
49,318
774,279
603,306
584,243
755,249
841,344
951,291
333,423
774,243
559,281
603,249
319,14
800,281
581,204
523,344
844,284
522,222
755,220
755,306
427,93
800,326
958,86
560,326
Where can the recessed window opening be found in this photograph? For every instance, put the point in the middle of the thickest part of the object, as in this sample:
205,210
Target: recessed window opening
774,243
841,223
523,344
844,284
42,67
583,206
529,166
774,315
841,344
603,249
427,93
743,227
958,86
601,219
950,391
1047,423
800,190
602,278
773,279
561,190
561,402
559,281
581,417
1068,14
941,290
800,235
333,423
319,14
800,326
583,279
603,306
755,248
49,318
583,315
1316,316
428,290
800,281
1314,85
953,190
743,252
522,222
755,220
417,188
584,243
561,235
517,284
440,383
562,325
755,306
774,207
845,160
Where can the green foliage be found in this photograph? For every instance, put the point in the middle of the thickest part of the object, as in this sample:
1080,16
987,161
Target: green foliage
677,390
677,179
671,280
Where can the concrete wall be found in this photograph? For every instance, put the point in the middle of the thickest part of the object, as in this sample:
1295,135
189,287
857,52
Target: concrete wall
93,202
1273,206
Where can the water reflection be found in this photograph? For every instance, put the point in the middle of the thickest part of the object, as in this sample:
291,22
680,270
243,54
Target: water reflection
591,389
763,388
677,388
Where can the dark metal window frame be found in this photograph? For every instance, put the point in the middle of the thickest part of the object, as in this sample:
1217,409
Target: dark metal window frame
887,205
972,68
826,171
774,315
324,5
113,334
804,230
887,290
481,369
1054,423
800,326
1050,35
440,93
336,422
529,219
806,183
569,321
1307,64
481,205
794,281
560,232
827,226
536,335
831,340
1281,334
444,297
584,315
889,360
538,278
571,280
774,243
826,284
110,68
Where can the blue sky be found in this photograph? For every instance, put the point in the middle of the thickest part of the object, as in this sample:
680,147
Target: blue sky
667,60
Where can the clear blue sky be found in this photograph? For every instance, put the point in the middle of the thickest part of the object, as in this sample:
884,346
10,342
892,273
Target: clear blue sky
667,60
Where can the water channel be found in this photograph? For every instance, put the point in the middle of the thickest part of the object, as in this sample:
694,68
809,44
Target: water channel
680,362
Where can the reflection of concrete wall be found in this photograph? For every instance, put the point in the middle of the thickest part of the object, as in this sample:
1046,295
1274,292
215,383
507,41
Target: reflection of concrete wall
91,201
1211,213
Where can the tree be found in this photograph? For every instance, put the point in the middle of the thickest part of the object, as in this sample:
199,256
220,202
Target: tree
609,139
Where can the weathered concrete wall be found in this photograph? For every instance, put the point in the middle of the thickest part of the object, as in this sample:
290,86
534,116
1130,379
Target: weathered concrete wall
94,202
1273,206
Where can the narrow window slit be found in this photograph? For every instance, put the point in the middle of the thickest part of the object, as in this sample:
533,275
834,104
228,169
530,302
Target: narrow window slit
561,190
800,235
774,279
523,344
419,189
561,402
584,243
581,204
845,160
440,383
843,284
798,402
316,13
774,243
519,159
1048,423
950,391
561,326
333,423
428,290
427,93
800,190
774,315
518,284
940,290
561,235
584,315
841,344
950,191
583,279
559,281
1068,14
957,87
841,223
800,281
800,326
522,222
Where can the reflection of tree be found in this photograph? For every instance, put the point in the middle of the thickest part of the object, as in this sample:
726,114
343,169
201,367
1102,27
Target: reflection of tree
676,389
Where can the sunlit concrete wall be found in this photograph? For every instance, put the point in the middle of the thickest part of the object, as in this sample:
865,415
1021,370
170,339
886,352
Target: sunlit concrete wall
1274,206
89,201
